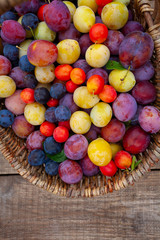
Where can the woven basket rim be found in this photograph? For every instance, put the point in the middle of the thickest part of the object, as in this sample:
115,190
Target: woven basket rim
14,150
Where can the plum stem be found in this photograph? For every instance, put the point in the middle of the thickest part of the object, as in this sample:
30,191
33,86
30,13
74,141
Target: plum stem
21,48
32,32
122,79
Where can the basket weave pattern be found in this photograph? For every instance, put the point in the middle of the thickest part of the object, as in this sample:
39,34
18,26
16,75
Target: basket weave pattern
14,150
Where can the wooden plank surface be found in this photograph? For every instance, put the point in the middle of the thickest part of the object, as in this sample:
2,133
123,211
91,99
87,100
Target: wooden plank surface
5,167
27,212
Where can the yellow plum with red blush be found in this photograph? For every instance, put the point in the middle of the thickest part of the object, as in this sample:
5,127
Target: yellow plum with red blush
95,84
123,160
42,53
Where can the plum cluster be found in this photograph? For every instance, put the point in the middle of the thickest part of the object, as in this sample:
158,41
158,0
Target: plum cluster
76,79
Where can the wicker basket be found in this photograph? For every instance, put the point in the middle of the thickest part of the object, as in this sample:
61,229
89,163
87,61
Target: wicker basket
14,150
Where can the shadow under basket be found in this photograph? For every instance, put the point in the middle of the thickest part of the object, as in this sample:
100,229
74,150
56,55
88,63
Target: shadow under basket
14,149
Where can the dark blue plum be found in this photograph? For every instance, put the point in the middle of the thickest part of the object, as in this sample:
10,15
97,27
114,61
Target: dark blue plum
25,65
50,115
46,160
8,16
41,95
58,90
30,21
51,168
30,81
36,157
51,146
6,118
62,113
11,52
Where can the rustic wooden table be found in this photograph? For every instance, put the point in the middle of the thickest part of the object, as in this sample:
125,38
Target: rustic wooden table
27,212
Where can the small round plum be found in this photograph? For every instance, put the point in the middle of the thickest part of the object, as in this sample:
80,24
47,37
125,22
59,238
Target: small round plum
101,114
84,99
70,172
144,92
61,13
84,19
51,146
98,33
36,157
12,37
68,51
75,147
35,113
80,122
113,131
109,170
15,104
123,160
124,107
7,86
42,53
45,74
149,119
97,55
35,140
122,80
136,140
21,127
60,134
114,15
99,152
136,49
51,168
95,84
108,94
43,32
6,118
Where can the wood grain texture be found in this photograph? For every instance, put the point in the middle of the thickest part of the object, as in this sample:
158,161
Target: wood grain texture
5,167
28,212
